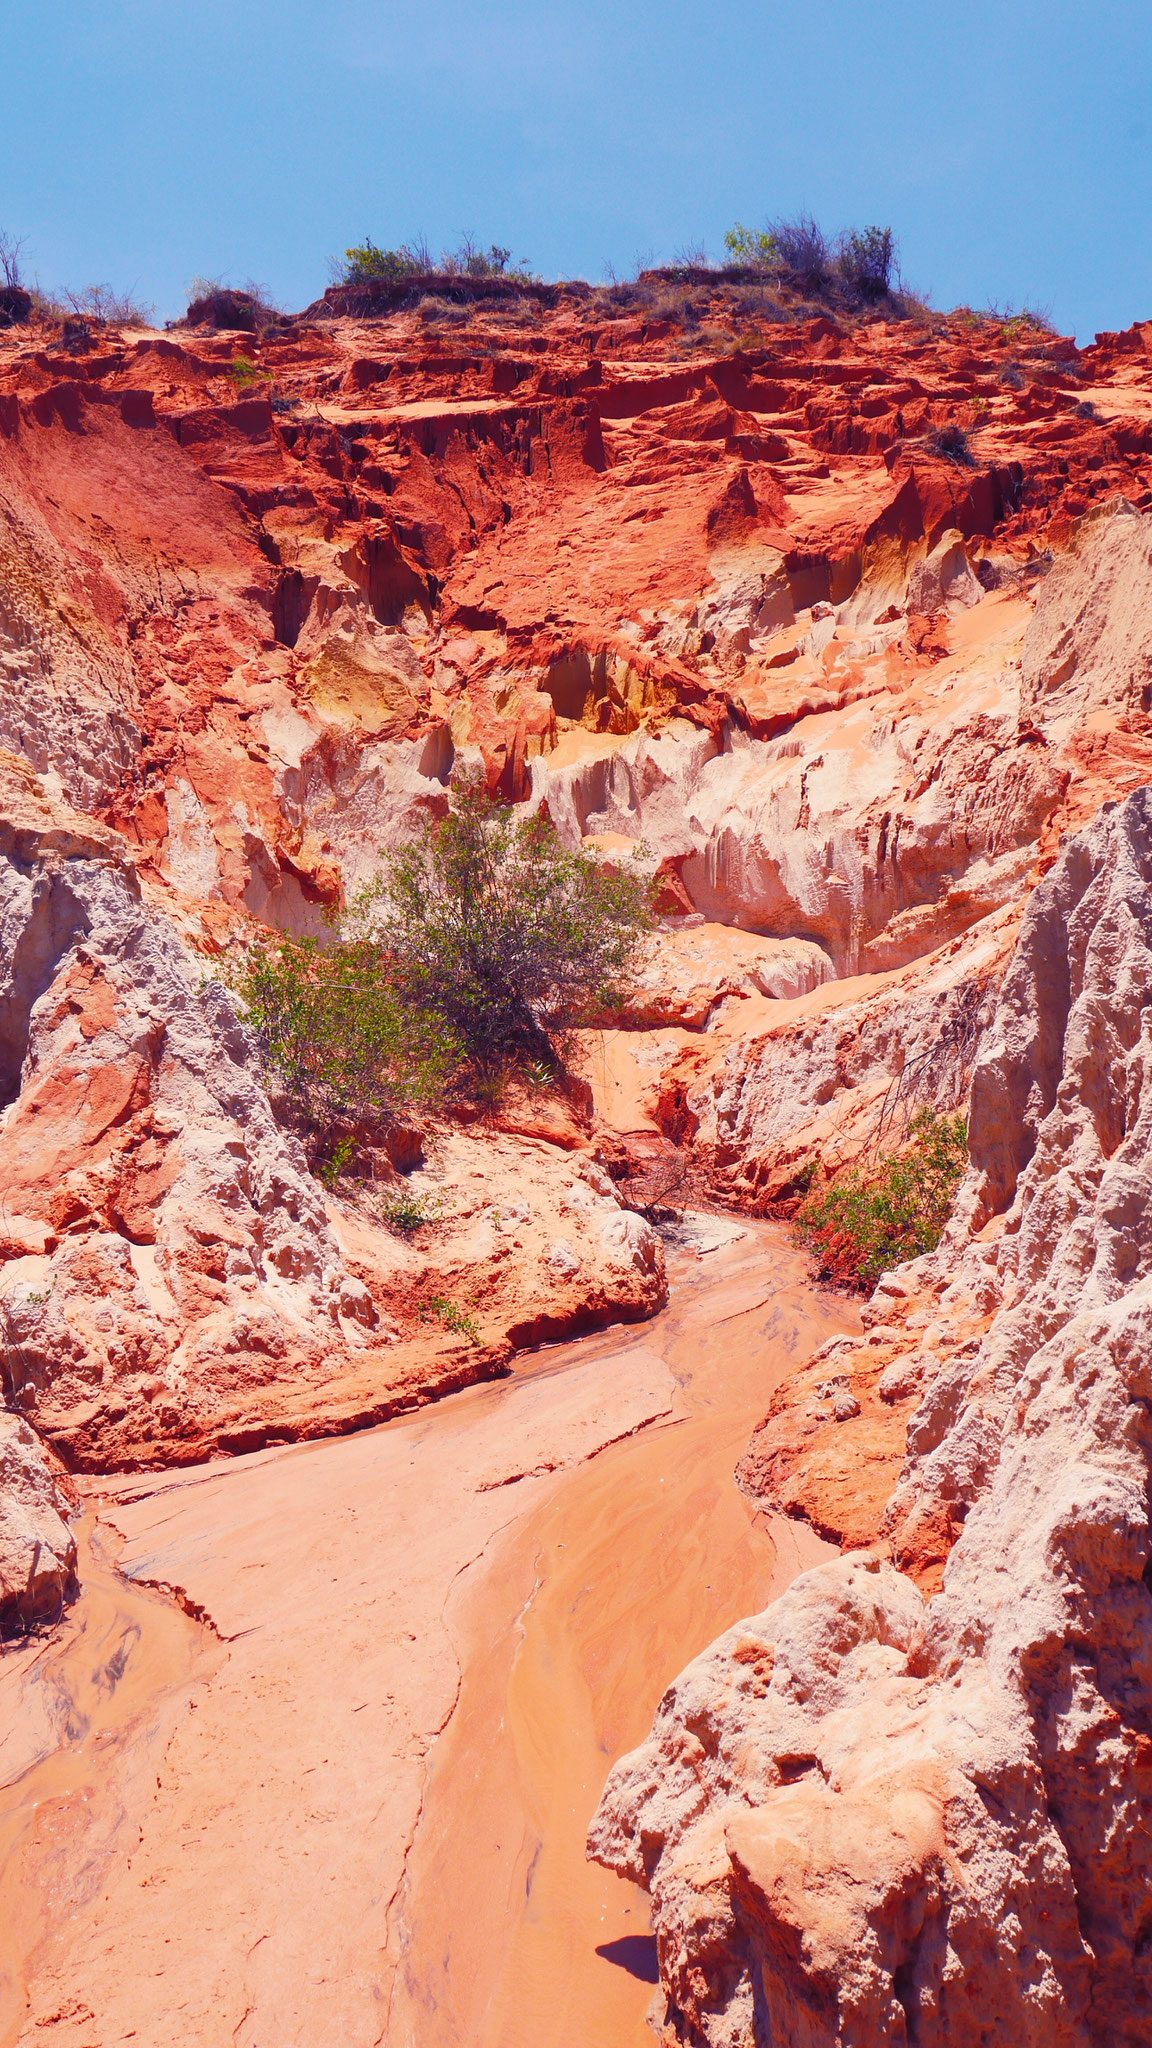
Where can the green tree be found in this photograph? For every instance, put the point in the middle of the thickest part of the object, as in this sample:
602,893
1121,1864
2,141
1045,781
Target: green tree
514,940
346,1044
753,247
366,264
865,1223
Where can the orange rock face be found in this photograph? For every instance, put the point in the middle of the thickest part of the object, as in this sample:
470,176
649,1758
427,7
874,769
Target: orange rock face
731,600
846,629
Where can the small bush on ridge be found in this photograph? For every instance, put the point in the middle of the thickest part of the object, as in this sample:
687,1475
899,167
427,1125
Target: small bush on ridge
10,260
801,248
104,304
864,260
798,247
859,266
16,304
246,309
470,261
951,441
866,1223
366,264
98,305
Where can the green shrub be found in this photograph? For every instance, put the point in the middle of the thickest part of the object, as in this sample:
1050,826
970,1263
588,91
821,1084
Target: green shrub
864,260
491,262
800,248
344,1042
1028,324
469,260
408,1212
366,264
866,1223
857,270
751,247
245,373
479,948
492,923
452,1317
330,1170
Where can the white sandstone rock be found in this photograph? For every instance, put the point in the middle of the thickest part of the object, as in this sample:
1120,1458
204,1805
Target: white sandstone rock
862,1819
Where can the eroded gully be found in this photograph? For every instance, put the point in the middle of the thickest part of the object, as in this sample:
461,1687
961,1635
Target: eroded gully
348,1804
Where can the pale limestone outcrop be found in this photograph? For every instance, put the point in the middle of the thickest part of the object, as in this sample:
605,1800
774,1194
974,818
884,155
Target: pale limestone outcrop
818,1081
863,1818
888,818
70,716
945,579
689,973
1089,645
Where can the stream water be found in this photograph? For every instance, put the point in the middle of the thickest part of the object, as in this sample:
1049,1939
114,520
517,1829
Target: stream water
67,1712
351,1806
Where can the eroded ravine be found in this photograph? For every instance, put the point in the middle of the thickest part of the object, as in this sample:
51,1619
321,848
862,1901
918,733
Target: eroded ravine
635,1562
360,1816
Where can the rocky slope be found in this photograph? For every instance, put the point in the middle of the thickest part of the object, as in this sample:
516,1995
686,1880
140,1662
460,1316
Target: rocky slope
865,1817
173,1277
848,626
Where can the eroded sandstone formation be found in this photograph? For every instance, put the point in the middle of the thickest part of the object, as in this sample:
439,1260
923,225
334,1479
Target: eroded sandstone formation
847,628
173,1278
864,1817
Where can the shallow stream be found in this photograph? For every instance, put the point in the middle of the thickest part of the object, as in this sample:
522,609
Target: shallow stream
349,1805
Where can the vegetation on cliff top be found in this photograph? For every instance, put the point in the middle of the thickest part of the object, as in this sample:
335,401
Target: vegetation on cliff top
367,266
786,271
860,261
97,304
871,1220
850,273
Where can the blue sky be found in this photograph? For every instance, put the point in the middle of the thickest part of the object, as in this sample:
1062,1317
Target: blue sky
147,141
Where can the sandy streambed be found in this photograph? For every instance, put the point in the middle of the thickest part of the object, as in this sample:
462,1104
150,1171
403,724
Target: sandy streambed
347,1803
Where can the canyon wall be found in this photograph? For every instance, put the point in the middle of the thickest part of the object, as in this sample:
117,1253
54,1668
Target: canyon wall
725,594
866,1816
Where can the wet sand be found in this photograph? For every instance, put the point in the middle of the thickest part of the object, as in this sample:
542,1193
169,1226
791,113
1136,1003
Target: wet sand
349,1805
68,1713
